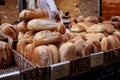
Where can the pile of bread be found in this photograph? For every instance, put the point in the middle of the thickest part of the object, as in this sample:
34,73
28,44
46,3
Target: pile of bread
45,42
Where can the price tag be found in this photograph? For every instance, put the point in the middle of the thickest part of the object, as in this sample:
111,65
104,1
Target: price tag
96,59
60,70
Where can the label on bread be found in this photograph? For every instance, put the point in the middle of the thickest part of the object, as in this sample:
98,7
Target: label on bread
96,59
60,70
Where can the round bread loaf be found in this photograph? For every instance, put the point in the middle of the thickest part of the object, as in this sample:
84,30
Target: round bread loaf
6,55
41,57
67,51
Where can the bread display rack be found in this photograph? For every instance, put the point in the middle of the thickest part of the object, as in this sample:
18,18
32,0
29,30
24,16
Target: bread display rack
100,64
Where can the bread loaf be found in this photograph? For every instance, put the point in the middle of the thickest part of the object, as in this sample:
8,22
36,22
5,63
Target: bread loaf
109,28
77,28
28,51
114,42
41,56
61,28
20,35
67,51
95,45
6,55
117,34
80,18
96,28
46,37
28,36
86,25
41,24
105,44
28,14
96,36
9,30
22,27
21,46
93,19
82,48
55,53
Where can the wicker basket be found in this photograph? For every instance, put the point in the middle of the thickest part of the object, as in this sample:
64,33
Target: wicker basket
27,70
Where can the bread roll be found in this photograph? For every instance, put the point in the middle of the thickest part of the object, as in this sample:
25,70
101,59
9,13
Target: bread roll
6,55
41,24
21,46
67,51
77,28
28,36
41,56
10,31
46,37
96,28
22,27
55,53
28,51
82,48
28,14
93,19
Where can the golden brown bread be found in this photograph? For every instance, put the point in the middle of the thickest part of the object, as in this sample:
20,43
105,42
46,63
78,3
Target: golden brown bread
96,36
95,45
82,48
6,55
105,44
28,51
61,28
114,42
96,28
55,53
41,56
20,35
80,18
93,19
73,19
109,28
117,34
67,51
21,27
86,25
28,36
41,24
115,18
77,28
9,30
21,46
28,14
46,37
